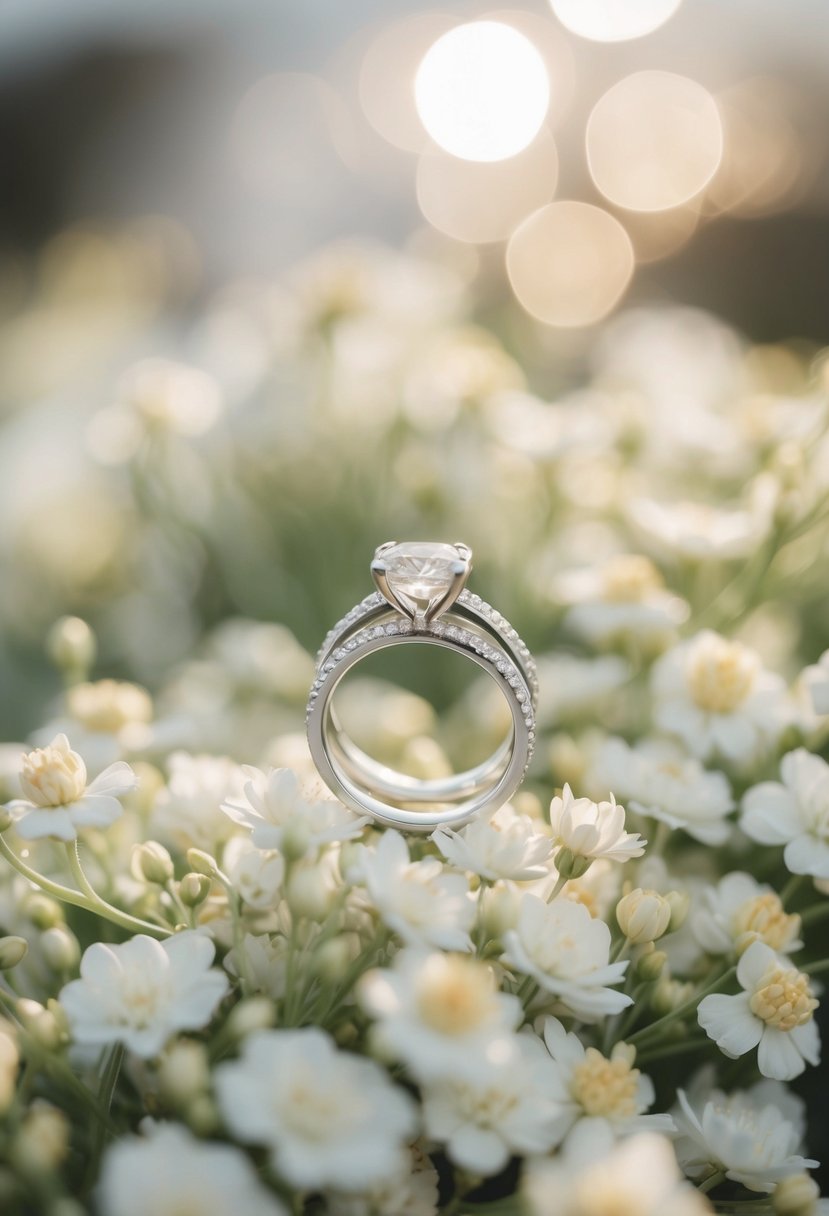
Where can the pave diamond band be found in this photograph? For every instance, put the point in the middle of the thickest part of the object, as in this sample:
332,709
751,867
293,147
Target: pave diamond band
421,600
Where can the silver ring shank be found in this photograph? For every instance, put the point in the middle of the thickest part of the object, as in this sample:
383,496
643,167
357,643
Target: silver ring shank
394,799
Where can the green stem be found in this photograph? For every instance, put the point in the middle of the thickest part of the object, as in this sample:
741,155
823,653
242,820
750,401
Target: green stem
106,1090
684,1009
672,1049
816,968
790,888
815,913
95,903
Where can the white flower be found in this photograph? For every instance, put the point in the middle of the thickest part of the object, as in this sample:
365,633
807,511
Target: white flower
815,679
419,900
142,992
773,1013
739,911
751,1136
279,817
794,813
188,810
605,1096
699,531
656,778
257,874
328,1118
638,1177
500,844
505,1109
414,1191
591,829
567,953
570,685
57,799
170,1172
625,597
715,695
263,960
442,1015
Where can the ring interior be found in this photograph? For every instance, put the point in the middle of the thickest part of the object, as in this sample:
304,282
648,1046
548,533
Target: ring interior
363,775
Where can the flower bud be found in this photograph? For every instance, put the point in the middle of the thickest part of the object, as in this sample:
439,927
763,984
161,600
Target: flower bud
40,1023
255,1013
203,863
6,818
194,889
152,862
643,916
333,958
650,964
42,911
680,902
42,1143
202,1115
9,1063
498,907
12,951
796,1195
60,948
184,1073
668,994
572,865
310,892
71,646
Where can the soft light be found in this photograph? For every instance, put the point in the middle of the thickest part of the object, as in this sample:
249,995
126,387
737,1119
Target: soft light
480,202
613,20
386,74
654,141
763,159
482,91
570,263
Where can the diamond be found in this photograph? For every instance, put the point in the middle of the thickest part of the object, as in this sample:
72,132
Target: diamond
421,570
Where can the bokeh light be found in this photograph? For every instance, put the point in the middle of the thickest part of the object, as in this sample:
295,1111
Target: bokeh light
386,74
654,141
482,91
478,201
763,160
569,263
613,20
658,234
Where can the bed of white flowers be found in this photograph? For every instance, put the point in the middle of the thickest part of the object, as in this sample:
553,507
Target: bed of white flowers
223,993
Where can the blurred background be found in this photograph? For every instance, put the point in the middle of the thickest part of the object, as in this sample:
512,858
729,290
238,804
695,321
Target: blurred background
282,281
257,260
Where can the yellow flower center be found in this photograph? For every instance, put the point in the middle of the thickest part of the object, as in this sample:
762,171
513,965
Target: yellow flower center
629,578
109,705
454,995
763,919
784,1000
606,1088
721,675
53,776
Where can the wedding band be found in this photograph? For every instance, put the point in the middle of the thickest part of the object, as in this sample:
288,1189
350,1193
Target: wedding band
421,598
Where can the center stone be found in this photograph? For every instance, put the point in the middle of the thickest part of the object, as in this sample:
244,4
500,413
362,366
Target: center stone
421,570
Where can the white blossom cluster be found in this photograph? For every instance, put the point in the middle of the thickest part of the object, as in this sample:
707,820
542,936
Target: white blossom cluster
221,991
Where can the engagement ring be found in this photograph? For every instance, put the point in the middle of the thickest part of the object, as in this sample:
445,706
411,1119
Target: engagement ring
421,599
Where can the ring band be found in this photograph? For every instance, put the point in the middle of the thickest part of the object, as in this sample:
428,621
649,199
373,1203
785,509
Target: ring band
421,600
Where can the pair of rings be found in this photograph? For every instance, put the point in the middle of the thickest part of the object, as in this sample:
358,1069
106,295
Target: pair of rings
421,598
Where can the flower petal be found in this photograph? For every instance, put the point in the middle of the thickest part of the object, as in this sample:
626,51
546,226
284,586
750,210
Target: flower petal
777,1055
